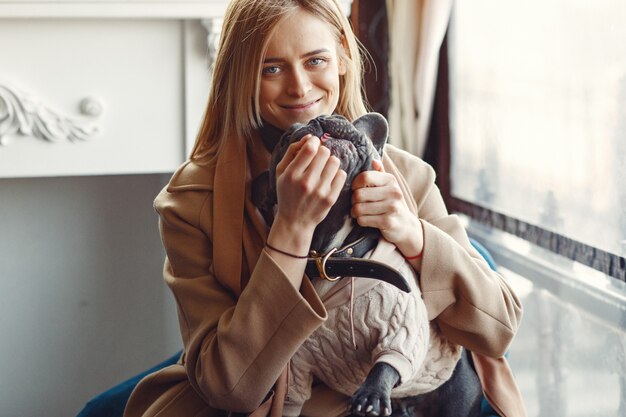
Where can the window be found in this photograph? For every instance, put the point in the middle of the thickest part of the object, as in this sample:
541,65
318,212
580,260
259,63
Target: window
537,115
538,119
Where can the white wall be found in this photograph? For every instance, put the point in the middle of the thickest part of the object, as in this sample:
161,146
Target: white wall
82,301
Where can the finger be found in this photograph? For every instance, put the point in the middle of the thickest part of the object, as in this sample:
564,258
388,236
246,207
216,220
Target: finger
371,179
390,192
377,165
374,221
307,151
370,194
337,184
301,155
292,150
319,164
370,209
330,170
360,180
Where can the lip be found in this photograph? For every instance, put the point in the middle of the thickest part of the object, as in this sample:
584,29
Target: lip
300,107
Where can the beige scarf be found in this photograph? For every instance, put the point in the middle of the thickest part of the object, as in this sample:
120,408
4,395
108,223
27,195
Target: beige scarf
237,220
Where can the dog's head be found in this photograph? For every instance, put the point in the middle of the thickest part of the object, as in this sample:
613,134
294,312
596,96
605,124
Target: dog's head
355,144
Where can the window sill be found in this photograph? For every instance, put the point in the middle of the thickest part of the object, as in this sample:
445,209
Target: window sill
588,289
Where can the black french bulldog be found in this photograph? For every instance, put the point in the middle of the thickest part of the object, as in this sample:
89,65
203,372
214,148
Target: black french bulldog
357,145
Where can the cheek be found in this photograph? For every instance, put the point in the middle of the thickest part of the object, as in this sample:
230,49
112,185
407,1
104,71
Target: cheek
335,95
330,83
267,93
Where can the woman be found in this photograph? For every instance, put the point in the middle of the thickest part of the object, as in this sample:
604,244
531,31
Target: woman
244,304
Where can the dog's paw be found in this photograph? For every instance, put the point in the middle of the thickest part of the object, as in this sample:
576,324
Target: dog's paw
370,401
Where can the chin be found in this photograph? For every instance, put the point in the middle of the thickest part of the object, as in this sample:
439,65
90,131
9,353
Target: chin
305,117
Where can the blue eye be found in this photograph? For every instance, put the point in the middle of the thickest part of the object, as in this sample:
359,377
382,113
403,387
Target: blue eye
316,61
271,70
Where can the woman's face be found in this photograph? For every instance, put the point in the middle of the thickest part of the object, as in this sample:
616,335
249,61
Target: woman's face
300,75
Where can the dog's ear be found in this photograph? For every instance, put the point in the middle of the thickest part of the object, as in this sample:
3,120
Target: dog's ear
375,127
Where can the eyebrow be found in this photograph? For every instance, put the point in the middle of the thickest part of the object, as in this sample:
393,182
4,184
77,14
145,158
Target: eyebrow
315,52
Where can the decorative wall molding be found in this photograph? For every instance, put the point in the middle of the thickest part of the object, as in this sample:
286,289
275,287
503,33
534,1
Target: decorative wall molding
159,9
117,9
24,116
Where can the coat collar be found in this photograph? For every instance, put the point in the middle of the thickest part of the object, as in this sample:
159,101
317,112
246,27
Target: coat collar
227,176
192,176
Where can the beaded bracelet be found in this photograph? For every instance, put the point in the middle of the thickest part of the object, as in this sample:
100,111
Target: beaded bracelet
285,253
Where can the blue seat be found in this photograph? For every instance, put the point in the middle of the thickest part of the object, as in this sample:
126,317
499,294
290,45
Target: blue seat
484,253
111,403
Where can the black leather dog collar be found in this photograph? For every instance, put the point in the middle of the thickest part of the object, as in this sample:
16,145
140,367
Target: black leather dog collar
346,262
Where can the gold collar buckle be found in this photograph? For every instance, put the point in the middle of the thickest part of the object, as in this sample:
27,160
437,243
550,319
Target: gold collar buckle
320,262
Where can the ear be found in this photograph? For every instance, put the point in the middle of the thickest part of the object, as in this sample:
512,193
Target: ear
375,127
343,68
342,56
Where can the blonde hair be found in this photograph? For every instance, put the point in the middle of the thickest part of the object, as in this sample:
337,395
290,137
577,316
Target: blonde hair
233,103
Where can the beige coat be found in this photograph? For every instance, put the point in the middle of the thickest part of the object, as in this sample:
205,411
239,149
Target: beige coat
241,320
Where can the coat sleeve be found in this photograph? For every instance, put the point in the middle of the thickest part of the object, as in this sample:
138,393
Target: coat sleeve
472,304
235,348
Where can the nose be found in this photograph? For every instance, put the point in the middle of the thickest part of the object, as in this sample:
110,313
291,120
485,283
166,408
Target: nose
299,83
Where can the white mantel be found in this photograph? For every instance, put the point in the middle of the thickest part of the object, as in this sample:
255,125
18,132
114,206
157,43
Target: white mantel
113,9
98,87
122,9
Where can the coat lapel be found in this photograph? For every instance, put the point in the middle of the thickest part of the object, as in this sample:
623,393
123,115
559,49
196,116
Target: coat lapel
229,194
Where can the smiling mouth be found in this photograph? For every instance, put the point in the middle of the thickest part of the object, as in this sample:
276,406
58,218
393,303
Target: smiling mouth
303,106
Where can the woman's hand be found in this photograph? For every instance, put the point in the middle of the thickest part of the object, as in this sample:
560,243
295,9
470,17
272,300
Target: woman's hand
377,201
308,182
